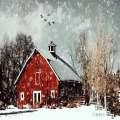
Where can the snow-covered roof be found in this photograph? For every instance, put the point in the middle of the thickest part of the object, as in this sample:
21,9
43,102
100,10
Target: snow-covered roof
47,54
63,71
60,69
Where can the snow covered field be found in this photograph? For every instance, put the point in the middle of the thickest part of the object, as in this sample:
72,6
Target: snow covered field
81,113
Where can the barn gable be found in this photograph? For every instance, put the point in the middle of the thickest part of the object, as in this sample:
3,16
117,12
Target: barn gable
35,51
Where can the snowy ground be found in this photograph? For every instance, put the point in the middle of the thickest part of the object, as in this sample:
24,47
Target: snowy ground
81,113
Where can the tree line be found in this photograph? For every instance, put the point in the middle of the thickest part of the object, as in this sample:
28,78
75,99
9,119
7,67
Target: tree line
97,63
13,55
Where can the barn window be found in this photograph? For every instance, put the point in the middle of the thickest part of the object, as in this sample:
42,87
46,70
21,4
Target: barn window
37,78
21,95
52,93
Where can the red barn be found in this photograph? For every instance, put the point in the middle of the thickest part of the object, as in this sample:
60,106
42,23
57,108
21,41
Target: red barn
36,82
40,78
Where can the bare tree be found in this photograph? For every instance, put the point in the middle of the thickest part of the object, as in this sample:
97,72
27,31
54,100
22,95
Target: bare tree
99,65
96,62
83,57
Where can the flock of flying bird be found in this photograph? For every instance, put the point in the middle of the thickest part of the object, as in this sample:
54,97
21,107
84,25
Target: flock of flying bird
45,20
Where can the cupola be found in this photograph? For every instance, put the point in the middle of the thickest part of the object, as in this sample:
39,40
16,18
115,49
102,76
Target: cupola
52,47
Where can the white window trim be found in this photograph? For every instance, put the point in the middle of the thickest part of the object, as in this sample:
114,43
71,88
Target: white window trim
22,96
52,93
35,78
36,92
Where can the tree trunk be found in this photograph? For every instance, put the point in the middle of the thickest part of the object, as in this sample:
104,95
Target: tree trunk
105,101
91,95
97,99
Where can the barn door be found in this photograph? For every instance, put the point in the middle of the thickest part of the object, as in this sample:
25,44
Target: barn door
36,97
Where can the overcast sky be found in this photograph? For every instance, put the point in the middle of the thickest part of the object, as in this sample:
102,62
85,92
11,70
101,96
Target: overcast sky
70,16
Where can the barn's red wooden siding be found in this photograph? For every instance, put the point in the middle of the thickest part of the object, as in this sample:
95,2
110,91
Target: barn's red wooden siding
26,81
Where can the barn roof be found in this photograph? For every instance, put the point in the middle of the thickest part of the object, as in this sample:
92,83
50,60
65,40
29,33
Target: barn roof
46,54
62,71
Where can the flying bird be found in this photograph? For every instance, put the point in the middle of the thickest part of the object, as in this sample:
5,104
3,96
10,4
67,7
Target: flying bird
41,16
49,23
53,22
45,20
